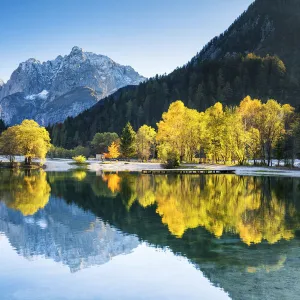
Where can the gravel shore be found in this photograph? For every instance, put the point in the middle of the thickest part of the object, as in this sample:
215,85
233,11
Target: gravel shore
119,166
61,165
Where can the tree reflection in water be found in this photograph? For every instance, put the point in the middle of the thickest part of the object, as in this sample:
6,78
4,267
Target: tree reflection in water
25,192
246,206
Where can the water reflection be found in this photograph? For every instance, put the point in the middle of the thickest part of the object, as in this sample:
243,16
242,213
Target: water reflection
250,207
65,234
113,182
24,192
254,208
228,226
37,224
241,205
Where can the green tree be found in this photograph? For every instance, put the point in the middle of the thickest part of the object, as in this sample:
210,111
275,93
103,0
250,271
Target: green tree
2,126
128,141
80,150
102,141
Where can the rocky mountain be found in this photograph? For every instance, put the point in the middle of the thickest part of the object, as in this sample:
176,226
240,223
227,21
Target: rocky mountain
258,55
18,106
62,87
64,233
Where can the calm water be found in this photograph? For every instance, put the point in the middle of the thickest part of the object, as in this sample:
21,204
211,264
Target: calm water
80,235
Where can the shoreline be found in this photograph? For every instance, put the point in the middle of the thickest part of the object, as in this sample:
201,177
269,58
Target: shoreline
120,166
64,165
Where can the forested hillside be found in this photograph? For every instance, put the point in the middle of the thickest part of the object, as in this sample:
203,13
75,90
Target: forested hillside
256,56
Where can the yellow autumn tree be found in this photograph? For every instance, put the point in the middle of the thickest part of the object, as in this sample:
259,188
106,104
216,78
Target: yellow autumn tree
28,139
224,134
271,125
236,136
254,144
194,133
145,142
170,131
179,132
215,132
249,110
265,124
114,150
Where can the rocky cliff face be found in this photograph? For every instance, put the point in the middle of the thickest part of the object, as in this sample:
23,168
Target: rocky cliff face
35,85
18,106
66,234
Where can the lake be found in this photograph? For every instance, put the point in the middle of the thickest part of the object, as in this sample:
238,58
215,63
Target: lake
83,235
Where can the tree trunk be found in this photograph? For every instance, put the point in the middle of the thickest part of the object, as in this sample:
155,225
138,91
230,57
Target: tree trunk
181,158
28,160
269,157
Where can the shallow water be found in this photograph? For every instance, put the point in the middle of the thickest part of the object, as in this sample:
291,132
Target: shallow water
81,235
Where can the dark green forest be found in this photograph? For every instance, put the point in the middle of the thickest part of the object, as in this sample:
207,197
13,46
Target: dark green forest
2,126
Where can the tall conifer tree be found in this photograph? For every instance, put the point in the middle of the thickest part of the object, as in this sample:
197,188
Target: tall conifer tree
127,145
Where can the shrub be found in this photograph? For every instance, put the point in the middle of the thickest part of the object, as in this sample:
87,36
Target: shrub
172,161
80,159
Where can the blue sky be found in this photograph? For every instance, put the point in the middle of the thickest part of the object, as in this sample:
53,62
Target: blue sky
153,36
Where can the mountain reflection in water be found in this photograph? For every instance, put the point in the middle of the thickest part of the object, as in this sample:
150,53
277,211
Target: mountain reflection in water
226,225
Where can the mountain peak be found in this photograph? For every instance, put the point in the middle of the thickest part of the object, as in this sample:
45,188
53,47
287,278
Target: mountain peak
76,50
61,81
32,61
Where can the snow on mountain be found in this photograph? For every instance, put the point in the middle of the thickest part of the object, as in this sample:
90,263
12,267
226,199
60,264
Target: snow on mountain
45,81
42,95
